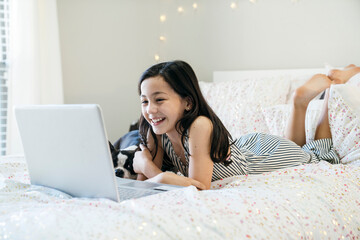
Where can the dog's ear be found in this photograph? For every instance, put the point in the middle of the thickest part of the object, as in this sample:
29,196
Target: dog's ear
114,154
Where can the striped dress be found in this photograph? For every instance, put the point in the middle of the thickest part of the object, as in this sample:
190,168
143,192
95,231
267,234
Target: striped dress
257,153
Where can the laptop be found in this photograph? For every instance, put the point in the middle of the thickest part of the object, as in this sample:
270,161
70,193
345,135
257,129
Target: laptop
66,148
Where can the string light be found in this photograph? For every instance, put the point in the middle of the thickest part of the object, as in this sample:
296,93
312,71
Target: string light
195,6
162,18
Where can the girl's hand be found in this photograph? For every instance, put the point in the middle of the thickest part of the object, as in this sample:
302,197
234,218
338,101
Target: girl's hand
173,179
141,159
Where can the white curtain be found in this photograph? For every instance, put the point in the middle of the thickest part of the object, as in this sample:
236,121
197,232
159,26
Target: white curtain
35,63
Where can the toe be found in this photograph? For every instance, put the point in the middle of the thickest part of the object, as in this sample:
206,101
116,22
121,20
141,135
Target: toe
350,66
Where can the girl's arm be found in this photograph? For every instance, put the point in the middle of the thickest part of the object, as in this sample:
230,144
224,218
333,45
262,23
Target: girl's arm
172,178
143,160
200,163
160,152
200,166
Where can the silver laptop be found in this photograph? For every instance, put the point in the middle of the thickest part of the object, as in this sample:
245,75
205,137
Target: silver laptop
66,148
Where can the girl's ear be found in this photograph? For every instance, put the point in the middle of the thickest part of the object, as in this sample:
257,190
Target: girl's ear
189,104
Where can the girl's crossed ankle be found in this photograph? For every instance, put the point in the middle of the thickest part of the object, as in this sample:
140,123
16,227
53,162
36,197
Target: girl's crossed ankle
342,76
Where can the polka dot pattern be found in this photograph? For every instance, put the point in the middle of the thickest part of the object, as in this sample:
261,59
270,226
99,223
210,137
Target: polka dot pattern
239,104
344,120
315,201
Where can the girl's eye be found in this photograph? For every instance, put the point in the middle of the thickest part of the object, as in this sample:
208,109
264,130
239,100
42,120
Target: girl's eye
159,99
144,102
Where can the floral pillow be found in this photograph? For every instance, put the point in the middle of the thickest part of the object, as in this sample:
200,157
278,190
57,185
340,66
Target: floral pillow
277,117
239,104
344,120
295,82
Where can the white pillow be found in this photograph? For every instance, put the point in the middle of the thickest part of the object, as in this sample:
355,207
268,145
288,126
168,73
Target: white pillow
355,80
239,104
344,120
313,114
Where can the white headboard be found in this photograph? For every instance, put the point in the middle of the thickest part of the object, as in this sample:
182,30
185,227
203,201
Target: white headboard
220,76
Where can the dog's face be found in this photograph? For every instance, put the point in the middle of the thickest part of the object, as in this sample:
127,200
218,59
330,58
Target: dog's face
124,165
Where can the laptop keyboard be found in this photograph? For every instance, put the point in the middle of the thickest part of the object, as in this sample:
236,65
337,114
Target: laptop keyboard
128,193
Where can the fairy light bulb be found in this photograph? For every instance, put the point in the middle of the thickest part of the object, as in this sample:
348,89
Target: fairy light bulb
180,9
162,18
195,6
157,57
233,5
162,38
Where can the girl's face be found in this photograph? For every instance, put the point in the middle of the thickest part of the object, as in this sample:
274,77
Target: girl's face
161,106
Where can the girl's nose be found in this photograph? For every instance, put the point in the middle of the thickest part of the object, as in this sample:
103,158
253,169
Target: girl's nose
152,108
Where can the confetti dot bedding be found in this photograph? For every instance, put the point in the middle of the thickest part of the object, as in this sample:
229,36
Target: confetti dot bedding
315,201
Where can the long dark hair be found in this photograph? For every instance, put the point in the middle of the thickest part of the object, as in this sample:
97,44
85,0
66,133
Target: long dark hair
181,77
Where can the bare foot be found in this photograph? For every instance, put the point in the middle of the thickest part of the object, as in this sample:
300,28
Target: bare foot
350,66
313,87
342,76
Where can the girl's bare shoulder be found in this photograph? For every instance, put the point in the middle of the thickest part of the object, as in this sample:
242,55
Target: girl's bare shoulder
201,125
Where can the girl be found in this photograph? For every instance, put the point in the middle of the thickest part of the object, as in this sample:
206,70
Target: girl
176,120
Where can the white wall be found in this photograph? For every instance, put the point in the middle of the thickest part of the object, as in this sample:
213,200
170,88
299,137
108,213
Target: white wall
107,44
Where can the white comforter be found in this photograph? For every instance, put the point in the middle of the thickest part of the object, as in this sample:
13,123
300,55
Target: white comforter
313,201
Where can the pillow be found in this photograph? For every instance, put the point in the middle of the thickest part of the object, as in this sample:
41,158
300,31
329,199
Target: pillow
295,82
277,117
313,114
239,104
355,80
344,120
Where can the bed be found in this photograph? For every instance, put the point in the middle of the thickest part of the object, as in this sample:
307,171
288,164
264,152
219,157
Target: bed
314,201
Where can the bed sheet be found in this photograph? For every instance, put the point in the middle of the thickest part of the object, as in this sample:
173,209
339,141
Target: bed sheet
315,201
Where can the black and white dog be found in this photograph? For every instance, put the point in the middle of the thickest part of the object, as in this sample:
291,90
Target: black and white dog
123,152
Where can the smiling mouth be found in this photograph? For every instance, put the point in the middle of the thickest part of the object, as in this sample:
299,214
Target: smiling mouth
157,121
